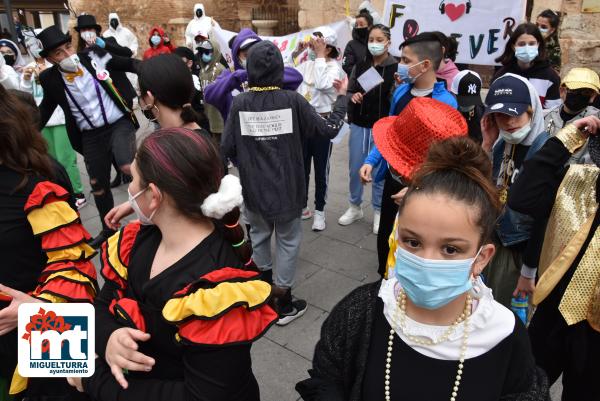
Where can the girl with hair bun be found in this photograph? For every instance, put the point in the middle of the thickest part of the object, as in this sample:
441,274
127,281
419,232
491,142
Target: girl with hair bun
432,330
182,301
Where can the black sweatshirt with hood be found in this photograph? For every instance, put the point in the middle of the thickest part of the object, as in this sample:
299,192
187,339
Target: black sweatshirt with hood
264,134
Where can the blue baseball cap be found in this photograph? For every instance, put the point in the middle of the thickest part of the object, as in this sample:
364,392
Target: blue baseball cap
508,95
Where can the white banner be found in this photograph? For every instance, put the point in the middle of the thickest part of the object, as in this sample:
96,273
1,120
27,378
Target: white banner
481,27
287,44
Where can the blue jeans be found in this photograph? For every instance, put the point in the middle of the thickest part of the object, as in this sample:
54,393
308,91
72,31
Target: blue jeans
361,143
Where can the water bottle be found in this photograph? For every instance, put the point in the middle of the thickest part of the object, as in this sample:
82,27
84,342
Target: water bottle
520,306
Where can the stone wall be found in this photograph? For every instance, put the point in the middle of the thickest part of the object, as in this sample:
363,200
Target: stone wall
172,15
318,12
579,35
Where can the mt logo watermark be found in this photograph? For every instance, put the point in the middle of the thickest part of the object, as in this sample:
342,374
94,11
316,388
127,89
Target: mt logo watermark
56,340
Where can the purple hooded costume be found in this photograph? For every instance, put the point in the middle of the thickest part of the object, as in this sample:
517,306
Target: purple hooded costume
219,94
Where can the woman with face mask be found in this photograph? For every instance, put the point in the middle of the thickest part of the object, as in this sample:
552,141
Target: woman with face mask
431,330
356,50
182,303
513,131
9,79
548,22
12,55
209,56
363,111
525,55
158,42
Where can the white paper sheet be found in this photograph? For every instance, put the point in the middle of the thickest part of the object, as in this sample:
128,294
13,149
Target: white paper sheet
369,79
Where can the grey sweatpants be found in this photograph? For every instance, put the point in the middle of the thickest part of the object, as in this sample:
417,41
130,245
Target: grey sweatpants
288,237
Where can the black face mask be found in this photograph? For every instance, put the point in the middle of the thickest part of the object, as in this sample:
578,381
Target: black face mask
576,101
10,59
199,13
594,149
361,34
114,23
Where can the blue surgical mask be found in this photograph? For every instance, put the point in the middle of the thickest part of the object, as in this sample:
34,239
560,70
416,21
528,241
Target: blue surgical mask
155,40
403,73
146,221
527,53
376,49
206,57
544,31
431,284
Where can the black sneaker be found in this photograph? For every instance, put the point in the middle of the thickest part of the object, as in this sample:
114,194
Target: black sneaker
293,311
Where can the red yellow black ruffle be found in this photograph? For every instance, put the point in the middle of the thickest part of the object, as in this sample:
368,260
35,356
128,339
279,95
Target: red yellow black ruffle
224,307
127,312
115,254
238,326
69,275
44,193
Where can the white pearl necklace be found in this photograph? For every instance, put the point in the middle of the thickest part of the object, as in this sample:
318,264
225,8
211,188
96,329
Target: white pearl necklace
401,309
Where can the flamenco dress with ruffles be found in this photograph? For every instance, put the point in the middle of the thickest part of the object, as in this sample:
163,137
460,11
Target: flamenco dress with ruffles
202,314
45,254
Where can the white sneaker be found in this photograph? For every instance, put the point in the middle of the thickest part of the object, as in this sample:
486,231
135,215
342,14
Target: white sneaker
351,215
80,201
319,221
376,218
306,213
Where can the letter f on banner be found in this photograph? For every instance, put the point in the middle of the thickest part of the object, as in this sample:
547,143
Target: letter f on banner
395,14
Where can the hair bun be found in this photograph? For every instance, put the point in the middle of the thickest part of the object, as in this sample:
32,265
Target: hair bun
461,154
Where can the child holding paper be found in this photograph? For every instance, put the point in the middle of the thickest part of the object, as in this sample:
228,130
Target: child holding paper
365,108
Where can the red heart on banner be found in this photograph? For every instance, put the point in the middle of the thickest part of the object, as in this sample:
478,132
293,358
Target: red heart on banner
455,11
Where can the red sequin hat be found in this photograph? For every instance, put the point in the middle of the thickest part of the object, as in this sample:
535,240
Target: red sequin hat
404,140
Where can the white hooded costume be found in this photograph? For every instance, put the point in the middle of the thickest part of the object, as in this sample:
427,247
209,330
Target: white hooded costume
197,25
123,36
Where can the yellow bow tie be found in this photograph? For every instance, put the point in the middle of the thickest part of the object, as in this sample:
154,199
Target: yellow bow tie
70,76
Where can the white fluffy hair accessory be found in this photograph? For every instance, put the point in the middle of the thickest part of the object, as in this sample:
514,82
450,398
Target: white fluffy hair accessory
225,200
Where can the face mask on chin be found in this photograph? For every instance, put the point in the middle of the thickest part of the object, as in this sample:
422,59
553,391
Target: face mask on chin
515,138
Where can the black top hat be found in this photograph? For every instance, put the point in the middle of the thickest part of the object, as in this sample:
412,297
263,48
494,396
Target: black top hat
87,21
50,38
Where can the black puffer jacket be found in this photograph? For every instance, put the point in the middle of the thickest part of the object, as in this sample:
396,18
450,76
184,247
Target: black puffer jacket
355,52
267,147
376,103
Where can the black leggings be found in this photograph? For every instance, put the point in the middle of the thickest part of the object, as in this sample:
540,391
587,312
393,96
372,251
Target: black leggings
317,149
389,209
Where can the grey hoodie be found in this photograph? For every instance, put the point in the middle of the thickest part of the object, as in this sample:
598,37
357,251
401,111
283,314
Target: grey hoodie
208,73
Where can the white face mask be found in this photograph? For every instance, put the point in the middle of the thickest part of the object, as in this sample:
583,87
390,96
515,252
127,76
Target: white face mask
70,64
146,221
516,137
89,37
